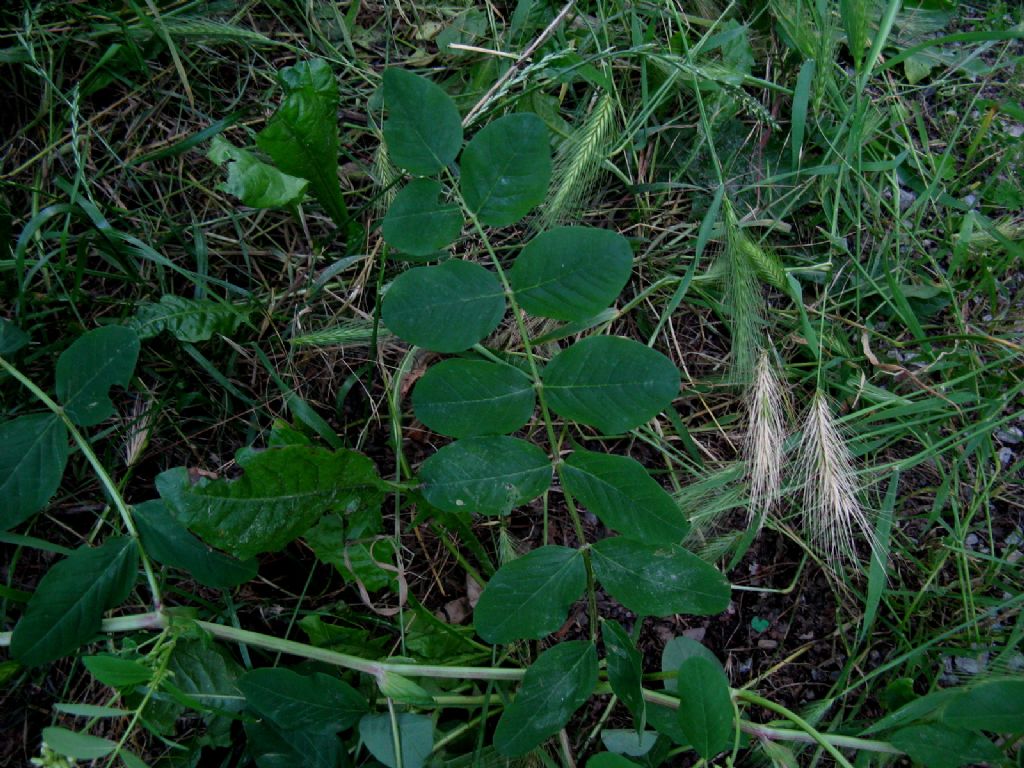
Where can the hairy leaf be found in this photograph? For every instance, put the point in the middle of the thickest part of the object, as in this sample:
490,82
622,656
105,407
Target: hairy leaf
33,454
281,494
189,320
252,181
423,131
88,368
465,398
417,223
67,608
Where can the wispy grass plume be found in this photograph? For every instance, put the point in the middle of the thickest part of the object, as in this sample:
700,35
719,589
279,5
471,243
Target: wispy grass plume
578,163
766,432
833,515
742,299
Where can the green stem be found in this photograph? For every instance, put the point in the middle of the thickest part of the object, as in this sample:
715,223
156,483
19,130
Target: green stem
793,717
105,480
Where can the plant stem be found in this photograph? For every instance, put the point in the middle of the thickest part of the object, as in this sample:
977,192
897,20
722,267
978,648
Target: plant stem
798,721
105,480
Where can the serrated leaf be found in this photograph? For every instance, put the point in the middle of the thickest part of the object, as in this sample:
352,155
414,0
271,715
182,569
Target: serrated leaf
167,541
706,713
624,496
362,560
609,382
676,651
506,169
415,734
67,608
273,747
318,702
571,273
557,684
33,454
937,745
486,475
88,369
252,181
658,581
447,308
80,746
625,671
423,130
302,136
417,223
466,398
993,705
190,320
12,338
117,672
281,493
529,597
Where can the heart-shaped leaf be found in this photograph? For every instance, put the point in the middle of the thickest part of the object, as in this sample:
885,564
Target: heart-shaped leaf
624,496
417,223
90,367
557,684
506,168
447,308
33,454
317,702
281,493
609,382
487,475
658,581
423,131
465,398
529,597
67,607
706,713
571,273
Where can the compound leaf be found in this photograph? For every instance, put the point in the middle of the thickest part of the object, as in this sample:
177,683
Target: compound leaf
190,320
254,182
318,702
624,496
417,223
447,308
33,454
609,382
465,398
487,475
659,581
282,493
88,369
571,273
506,168
529,597
67,607
706,713
423,131
557,684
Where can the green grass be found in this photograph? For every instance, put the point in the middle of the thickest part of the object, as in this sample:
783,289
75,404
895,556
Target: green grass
852,213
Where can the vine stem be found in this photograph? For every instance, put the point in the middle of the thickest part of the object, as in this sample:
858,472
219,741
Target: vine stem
105,480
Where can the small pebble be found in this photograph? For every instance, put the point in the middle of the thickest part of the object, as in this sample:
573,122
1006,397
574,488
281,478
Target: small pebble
1010,435
767,645
1005,456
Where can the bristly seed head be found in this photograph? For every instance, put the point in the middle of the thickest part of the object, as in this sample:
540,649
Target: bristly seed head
766,432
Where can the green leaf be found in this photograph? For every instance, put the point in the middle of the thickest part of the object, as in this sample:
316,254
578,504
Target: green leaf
529,597
994,705
88,368
610,382
302,136
628,742
206,676
423,131
273,747
403,690
117,672
190,320
417,223
676,651
80,746
624,496
167,541
609,760
415,733
706,712
447,308
252,181
362,560
12,338
68,605
942,746
557,684
33,454
506,168
466,398
571,273
281,494
486,475
625,670
90,710
317,702
659,581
